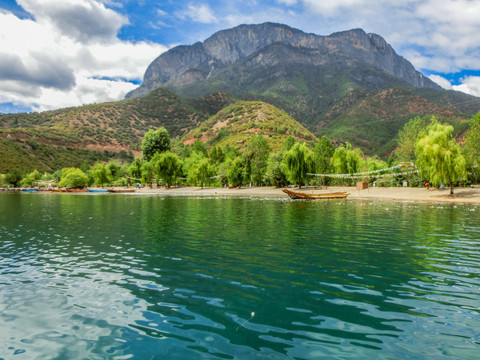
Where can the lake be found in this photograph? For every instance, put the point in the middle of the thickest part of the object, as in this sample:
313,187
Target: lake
158,277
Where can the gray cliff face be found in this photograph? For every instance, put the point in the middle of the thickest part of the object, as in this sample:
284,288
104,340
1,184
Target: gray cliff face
185,65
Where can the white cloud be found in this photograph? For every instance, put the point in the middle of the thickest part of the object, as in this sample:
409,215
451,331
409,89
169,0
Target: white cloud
468,85
82,20
330,8
198,13
288,2
444,83
46,64
160,12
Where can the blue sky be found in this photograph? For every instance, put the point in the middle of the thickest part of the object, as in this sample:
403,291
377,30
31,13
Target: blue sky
58,53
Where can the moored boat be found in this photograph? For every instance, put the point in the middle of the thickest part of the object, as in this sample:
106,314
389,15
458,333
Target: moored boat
97,190
121,190
76,190
301,195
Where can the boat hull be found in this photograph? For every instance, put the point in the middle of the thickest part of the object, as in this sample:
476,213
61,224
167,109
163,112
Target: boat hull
305,196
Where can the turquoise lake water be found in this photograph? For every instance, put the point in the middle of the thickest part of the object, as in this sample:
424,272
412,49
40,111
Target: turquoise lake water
152,277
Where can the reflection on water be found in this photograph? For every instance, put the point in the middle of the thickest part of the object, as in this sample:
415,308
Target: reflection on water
138,277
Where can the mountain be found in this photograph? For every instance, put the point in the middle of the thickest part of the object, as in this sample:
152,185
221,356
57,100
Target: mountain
270,45
350,86
315,79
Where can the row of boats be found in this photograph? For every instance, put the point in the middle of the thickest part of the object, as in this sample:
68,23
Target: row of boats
291,194
77,190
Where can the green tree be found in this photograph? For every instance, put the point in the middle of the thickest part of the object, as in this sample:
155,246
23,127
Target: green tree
346,160
472,146
85,166
167,166
299,161
135,168
101,174
204,171
407,138
324,151
275,174
115,169
199,147
31,179
256,157
439,157
289,142
13,177
190,166
236,172
73,177
217,155
155,141
147,173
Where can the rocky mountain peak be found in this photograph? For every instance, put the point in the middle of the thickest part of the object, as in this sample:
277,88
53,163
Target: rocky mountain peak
196,63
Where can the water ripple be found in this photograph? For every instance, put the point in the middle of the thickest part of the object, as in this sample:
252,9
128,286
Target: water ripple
247,279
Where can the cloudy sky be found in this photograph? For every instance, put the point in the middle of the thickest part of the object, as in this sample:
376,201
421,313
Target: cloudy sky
59,53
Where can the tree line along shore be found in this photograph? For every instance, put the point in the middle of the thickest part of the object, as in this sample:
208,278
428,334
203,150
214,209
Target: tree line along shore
437,157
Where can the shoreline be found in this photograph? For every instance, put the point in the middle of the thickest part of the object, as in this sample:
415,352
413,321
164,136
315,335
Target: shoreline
461,196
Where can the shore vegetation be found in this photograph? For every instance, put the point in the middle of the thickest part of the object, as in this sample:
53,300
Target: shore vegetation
427,151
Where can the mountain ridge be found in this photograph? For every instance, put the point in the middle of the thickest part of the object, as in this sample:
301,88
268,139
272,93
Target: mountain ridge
226,47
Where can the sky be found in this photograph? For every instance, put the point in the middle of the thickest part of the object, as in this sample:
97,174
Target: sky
62,53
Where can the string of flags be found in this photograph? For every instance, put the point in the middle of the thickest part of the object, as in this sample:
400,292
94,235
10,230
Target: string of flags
352,176
368,174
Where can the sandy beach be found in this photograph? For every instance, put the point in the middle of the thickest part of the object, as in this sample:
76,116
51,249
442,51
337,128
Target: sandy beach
462,195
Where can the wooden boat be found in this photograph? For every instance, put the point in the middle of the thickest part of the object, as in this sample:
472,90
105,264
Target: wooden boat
121,190
29,190
97,190
76,190
300,195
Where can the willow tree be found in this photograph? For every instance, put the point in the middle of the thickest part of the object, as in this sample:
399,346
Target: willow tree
346,160
101,174
167,166
472,145
135,168
147,173
201,172
235,173
73,177
31,179
299,161
256,157
439,157
407,138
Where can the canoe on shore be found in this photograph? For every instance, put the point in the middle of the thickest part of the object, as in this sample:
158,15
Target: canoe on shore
121,190
97,190
301,195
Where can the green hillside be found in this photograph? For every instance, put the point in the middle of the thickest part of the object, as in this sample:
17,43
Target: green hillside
237,123
65,137
371,120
